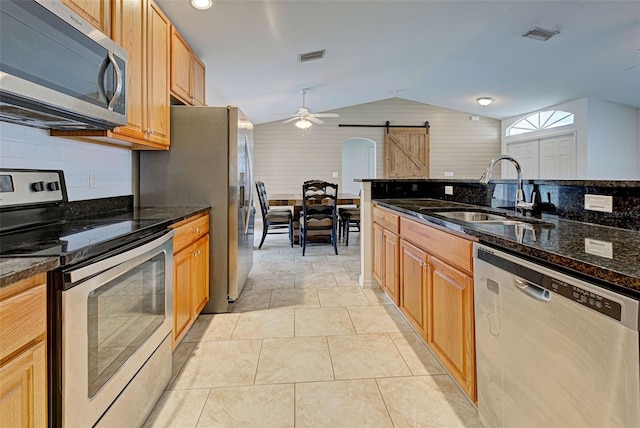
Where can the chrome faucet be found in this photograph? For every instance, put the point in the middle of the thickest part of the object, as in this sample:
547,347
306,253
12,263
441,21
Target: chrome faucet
520,203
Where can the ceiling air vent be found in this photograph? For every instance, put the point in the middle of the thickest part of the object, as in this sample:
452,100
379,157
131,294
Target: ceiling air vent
311,56
542,34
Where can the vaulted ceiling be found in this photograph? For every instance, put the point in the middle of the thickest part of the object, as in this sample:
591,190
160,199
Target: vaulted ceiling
444,53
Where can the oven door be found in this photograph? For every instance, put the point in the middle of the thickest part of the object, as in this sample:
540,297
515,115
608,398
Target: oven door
115,314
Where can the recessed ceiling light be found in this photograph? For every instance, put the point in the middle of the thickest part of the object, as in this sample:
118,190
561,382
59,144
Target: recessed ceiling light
201,4
484,101
396,91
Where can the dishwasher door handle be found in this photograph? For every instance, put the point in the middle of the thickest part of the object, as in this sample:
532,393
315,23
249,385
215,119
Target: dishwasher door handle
532,290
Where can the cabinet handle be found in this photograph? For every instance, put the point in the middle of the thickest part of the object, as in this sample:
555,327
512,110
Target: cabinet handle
197,230
197,253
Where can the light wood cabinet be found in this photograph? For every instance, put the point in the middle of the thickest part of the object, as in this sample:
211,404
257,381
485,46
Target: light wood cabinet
199,78
413,286
386,256
391,278
451,322
435,288
140,27
378,253
190,272
23,353
187,72
157,75
96,12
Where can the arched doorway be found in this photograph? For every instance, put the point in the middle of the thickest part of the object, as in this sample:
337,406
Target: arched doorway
358,161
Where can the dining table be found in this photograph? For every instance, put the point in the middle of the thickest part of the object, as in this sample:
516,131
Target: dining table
295,200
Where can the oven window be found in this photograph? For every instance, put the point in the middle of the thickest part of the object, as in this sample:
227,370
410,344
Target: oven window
122,314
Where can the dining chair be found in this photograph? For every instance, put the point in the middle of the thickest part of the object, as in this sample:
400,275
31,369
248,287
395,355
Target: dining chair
273,220
319,219
348,217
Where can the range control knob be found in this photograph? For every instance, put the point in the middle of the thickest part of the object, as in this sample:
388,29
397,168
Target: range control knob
53,186
38,186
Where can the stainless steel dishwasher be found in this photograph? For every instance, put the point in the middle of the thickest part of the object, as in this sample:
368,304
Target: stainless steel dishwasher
552,350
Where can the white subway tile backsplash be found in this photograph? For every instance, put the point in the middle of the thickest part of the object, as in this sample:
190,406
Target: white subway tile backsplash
23,150
9,132
24,147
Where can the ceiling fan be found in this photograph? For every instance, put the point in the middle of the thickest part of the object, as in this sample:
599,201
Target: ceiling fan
304,117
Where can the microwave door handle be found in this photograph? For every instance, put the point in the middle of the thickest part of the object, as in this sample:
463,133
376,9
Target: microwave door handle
110,59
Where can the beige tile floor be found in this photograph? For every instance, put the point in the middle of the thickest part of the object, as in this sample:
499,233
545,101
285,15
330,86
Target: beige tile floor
307,347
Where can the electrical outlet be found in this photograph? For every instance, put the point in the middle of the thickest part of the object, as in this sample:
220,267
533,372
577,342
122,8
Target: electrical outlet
93,179
448,190
448,174
335,174
598,203
598,248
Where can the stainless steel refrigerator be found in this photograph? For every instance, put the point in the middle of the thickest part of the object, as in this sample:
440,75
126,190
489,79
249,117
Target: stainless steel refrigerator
209,163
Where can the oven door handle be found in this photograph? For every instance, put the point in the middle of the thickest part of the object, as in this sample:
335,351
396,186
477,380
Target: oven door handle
92,269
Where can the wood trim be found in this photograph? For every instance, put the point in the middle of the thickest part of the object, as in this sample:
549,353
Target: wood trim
23,315
189,231
456,250
387,219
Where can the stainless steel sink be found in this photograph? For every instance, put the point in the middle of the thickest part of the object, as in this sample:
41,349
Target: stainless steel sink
473,216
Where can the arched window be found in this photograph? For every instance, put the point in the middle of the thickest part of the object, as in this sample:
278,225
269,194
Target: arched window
542,120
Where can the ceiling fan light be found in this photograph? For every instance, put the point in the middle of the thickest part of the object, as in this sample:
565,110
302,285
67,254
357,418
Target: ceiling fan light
303,124
484,101
201,4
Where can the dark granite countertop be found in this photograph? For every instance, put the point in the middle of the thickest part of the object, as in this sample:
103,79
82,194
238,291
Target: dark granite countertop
16,268
167,215
551,240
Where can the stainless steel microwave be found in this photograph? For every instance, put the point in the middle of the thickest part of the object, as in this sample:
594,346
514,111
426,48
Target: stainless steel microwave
57,71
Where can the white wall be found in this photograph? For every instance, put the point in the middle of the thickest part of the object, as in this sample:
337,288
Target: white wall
25,147
284,156
614,141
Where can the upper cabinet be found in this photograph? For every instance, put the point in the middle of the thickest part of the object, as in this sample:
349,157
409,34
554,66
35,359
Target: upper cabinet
187,72
142,29
96,12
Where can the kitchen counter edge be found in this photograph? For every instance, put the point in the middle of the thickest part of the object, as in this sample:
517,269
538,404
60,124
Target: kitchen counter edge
13,269
618,281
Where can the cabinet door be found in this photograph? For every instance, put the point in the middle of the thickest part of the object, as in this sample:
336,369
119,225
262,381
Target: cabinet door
180,67
130,32
96,12
451,322
378,254
199,77
23,389
391,273
158,39
200,271
413,285
181,293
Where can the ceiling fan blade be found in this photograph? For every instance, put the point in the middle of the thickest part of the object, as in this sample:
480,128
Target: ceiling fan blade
314,120
326,115
291,120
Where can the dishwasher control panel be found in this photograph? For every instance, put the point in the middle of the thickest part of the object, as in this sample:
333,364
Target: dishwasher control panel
584,297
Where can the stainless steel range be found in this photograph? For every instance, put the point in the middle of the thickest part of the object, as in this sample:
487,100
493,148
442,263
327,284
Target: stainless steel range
109,303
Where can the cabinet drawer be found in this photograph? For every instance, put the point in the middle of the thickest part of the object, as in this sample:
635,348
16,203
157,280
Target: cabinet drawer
189,230
447,246
23,316
386,219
